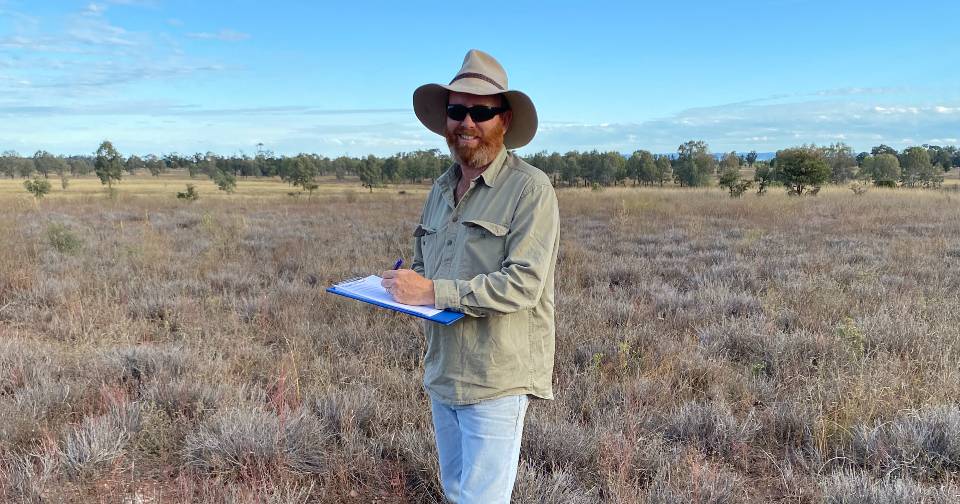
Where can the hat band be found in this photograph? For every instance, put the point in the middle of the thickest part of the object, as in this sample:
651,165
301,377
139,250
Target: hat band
473,75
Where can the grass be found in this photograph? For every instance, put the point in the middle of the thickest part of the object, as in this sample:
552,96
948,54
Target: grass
709,349
145,185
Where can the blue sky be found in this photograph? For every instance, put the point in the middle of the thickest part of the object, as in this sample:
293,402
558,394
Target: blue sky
337,78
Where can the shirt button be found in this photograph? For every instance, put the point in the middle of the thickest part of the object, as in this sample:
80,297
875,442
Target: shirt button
455,218
449,242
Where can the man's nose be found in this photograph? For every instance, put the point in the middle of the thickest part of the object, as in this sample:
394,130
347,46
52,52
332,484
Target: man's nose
468,121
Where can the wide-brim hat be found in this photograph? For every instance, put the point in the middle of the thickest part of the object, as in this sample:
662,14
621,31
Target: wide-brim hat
480,74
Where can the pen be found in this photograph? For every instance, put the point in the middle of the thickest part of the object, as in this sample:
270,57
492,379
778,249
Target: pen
399,263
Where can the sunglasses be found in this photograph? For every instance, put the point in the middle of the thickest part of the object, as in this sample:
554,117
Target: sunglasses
479,113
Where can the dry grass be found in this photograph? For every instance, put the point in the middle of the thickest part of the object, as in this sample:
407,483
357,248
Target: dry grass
714,350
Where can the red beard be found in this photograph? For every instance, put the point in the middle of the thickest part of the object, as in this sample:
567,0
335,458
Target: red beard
481,155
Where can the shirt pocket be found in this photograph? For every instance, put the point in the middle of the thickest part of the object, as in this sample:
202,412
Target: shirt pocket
430,248
484,249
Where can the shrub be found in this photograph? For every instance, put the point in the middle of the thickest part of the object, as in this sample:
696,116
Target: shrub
346,412
190,194
704,485
239,442
559,486
63,240
859,188
858,488
98,441
924,443
38,187
226,181
558,444
252,442
709,427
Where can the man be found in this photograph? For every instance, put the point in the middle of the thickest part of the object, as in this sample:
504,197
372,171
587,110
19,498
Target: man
486,246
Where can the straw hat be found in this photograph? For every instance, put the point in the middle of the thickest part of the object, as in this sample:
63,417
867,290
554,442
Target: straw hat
479,75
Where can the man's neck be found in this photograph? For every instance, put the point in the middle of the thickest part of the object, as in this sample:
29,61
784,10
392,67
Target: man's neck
470,173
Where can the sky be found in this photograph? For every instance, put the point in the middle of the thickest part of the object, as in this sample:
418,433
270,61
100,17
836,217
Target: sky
337,78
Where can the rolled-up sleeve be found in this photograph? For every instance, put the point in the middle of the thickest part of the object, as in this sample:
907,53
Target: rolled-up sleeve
417,264
530,253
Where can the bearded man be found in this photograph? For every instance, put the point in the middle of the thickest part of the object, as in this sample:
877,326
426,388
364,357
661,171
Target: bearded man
486,245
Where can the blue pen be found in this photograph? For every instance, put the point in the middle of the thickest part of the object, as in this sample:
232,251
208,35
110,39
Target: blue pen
399,263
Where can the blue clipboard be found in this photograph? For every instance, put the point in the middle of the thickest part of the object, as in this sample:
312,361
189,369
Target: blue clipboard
445,317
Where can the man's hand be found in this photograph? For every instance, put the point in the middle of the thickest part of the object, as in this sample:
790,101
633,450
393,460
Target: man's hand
408,287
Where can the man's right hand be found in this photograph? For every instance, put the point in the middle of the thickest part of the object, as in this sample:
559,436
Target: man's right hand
408,287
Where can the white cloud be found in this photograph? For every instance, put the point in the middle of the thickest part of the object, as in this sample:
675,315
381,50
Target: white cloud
764,125
225,35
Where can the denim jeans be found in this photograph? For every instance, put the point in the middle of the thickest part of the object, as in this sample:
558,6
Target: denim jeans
479,448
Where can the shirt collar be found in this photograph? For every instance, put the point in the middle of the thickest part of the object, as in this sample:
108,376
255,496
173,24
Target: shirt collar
448,180
489,176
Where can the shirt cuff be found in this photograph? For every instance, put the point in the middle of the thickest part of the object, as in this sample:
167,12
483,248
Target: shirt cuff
446,295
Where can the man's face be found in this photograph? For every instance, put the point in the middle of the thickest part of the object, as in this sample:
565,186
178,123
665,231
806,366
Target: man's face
475,144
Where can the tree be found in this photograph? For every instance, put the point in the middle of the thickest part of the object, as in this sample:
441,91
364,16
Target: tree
154,164
614,167
939,156
300,173
730,162
25,167
133,164
45,163
634,167
370,172
570,171
9,161
392,168
916,168
730,179
38,187
840,158
883,149
226,181
694,164
641,167
802,169
663,170
763,176
751,158
883,169
109,164
174,161
554,166
80,165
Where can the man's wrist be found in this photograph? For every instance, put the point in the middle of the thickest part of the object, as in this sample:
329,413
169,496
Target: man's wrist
445,294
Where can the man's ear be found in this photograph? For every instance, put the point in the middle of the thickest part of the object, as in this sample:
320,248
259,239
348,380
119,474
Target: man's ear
506,117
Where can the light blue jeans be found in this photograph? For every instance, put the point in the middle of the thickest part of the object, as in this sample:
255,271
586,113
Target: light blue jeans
479,448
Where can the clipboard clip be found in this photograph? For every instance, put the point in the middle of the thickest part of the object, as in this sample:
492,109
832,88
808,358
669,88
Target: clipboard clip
348,281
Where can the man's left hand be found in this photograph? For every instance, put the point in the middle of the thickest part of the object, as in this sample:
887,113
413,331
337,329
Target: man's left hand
408,287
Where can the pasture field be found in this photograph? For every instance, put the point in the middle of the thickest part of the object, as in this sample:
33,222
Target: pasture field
709,349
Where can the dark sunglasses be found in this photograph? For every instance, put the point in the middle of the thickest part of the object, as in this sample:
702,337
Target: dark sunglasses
479,113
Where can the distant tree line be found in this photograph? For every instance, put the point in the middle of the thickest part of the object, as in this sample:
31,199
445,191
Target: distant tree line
800,169
300,170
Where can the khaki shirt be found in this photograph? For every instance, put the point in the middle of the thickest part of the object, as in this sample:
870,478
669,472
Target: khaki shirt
492,257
